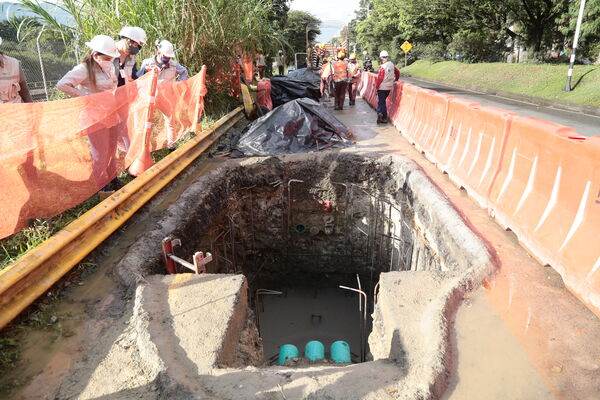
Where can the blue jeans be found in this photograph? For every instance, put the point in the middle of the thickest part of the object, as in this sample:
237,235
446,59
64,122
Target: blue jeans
382,96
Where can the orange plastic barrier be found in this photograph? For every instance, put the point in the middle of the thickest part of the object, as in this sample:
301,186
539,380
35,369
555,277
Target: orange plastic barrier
537,178
403,119
264,94
394,100
54,155
368,91
431,109
473,155
548,193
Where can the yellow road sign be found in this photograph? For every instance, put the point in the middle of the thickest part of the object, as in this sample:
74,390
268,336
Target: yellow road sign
406,46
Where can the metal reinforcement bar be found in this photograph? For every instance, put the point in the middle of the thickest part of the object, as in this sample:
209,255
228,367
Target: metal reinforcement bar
32,275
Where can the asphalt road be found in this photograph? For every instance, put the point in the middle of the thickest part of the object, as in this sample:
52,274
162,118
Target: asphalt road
586,125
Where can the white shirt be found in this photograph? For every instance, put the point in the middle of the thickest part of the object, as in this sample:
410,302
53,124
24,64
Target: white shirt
76,83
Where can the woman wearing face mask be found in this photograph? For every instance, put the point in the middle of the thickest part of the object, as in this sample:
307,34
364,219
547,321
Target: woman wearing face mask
96,73
169,69
131,40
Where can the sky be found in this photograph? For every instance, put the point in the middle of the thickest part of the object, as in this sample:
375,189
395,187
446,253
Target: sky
334,14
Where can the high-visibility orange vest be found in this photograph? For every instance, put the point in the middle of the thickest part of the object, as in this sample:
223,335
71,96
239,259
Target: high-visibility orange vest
340,71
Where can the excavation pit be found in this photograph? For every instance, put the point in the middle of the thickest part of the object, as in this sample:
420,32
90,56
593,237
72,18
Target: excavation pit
294,229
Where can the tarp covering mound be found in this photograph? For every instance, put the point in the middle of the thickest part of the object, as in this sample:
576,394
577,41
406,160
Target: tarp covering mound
298,84
299,126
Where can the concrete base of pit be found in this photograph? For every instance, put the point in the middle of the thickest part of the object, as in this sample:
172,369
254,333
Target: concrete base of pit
187,333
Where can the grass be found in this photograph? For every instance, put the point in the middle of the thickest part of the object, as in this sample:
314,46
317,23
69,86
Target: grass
544,81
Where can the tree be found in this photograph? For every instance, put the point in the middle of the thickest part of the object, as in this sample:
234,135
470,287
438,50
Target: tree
279,12
295,30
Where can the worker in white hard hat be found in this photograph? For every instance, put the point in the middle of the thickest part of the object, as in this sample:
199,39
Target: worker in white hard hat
354,73
388,74
13,86
96,73
131,40
169,69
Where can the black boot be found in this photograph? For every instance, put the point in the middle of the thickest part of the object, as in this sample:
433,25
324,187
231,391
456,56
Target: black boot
379,118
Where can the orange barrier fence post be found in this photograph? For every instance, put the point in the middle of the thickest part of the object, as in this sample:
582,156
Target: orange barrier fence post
200,102
143,160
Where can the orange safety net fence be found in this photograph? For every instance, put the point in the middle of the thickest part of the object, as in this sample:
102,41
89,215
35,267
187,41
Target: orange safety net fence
55,155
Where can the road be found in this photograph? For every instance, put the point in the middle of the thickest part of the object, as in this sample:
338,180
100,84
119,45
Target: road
586,125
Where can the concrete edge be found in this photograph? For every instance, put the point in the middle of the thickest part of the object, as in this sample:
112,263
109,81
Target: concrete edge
559,105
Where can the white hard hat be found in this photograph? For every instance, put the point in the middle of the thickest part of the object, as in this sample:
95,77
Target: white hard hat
166,48
134,33
143,38
103,44
383,54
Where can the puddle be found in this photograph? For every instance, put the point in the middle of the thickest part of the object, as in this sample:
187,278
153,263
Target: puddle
489,364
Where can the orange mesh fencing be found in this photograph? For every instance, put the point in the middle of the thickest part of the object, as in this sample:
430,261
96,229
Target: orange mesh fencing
54,155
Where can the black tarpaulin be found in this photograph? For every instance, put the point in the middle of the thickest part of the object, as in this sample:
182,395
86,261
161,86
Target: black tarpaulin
299,126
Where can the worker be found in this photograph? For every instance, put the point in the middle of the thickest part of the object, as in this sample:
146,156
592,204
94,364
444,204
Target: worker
261,65
280,62
388,74
341,76
131,40
326,77
13,86
96,73
368,64
354,74
168,69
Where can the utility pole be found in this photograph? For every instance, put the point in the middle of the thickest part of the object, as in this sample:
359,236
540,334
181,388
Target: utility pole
575,39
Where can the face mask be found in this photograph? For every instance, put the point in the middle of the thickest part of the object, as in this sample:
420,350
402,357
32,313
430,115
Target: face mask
105,65
165,60
133,50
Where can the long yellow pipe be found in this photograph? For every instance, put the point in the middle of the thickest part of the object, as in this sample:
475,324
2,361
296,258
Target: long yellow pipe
32,275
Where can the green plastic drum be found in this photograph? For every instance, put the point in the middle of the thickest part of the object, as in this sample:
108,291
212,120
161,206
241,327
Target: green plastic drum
314,350
286,352
340,352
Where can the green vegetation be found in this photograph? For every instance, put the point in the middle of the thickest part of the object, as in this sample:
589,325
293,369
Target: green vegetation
476,31
295,31
545,81
204,32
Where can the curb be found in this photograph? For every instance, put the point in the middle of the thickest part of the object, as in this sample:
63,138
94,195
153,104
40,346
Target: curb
559,105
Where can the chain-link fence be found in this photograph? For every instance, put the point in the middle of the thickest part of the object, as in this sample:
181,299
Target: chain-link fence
44,62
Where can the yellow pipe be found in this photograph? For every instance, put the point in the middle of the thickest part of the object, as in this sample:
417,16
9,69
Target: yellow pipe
32,275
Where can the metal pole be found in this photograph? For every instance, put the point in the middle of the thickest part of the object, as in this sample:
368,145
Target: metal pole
575,40
405,59
37,43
